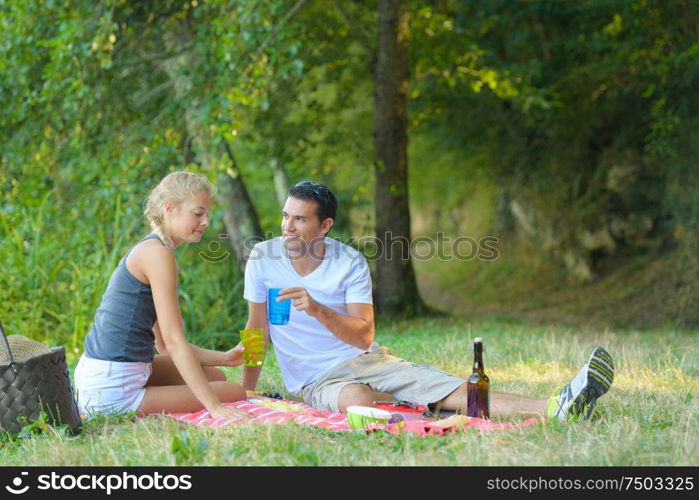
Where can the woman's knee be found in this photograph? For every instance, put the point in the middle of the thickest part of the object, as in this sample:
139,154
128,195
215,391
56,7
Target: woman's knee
229,391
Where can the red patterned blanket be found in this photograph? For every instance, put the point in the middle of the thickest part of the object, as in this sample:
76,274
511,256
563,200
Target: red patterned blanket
272,411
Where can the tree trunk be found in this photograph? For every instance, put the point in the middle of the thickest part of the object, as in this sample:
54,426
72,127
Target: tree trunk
240,217
239,214
281,181
396,288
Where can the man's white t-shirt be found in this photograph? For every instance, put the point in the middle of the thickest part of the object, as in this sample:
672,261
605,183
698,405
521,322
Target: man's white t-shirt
305,348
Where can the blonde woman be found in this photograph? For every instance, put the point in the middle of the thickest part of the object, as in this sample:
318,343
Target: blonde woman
118,371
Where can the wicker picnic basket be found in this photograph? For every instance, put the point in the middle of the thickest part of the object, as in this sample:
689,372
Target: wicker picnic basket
34,378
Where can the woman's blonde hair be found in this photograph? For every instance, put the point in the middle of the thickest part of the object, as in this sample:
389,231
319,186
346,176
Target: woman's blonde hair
176,188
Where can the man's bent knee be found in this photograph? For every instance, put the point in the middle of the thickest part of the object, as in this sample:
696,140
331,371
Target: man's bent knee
355,395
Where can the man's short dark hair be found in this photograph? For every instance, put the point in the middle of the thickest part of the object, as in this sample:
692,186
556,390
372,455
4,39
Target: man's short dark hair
314,191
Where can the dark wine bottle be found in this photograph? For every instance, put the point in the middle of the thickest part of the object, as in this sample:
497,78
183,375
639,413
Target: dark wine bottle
478,385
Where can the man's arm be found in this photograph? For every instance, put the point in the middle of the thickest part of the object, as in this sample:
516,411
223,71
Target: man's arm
356,328
257,318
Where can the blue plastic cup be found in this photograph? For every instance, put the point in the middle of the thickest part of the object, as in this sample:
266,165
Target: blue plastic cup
277,312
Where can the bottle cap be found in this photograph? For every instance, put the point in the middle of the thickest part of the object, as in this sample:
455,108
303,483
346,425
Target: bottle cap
478,339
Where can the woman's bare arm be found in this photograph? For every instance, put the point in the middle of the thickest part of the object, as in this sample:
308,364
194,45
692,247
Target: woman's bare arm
158,265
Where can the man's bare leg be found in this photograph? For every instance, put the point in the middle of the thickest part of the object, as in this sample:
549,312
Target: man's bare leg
360,395
501,404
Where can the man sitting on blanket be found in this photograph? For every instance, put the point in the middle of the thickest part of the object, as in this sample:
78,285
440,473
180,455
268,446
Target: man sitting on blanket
327,350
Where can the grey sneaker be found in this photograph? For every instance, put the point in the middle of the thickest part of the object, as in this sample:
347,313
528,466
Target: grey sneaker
576,401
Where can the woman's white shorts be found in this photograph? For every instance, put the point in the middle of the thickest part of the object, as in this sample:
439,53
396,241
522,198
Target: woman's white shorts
110,386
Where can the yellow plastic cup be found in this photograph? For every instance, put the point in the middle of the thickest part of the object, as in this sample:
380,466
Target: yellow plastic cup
254,343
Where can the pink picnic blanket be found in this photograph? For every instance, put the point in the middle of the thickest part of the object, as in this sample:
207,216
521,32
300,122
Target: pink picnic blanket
271,411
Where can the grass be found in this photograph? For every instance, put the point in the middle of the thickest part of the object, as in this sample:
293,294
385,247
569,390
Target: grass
649,417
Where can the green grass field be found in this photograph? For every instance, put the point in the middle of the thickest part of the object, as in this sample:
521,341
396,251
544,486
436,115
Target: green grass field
649,417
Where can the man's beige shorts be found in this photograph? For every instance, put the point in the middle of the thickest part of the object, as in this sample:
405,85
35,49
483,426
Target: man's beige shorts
422,384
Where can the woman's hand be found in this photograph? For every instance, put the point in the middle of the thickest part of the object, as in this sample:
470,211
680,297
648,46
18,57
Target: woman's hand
233,357
221,411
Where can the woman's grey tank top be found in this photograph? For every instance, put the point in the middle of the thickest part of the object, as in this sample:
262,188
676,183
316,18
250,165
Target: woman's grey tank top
123,326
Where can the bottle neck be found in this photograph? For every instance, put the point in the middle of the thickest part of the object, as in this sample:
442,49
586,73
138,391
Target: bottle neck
478,358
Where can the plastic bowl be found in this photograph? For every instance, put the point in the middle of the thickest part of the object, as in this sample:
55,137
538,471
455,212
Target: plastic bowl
365,417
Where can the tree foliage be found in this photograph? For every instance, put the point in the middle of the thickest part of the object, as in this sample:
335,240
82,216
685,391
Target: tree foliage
579,117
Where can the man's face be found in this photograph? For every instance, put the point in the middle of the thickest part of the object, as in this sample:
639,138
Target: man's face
301,225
